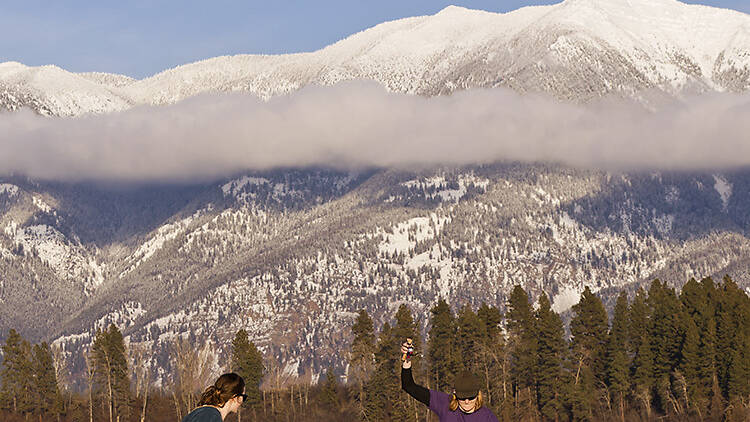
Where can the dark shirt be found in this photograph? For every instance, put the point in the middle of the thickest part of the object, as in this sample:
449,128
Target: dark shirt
439,402
203,414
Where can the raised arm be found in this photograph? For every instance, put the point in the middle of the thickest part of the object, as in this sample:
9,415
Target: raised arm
420,393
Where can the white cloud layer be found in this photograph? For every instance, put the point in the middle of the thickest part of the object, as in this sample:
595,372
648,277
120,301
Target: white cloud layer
355,125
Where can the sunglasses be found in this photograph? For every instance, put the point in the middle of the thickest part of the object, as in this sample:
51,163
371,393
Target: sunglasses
244,397
463,398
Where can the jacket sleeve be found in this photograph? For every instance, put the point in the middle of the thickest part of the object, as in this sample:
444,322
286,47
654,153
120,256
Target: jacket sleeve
417,391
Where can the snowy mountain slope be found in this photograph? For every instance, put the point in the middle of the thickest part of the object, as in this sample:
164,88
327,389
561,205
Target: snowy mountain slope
576,50
50,90
31,223
108,79
294,269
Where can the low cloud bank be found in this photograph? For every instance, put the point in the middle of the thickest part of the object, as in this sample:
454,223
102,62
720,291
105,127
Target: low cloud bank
355,125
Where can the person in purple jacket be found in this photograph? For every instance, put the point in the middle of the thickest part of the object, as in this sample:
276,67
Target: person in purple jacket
464,404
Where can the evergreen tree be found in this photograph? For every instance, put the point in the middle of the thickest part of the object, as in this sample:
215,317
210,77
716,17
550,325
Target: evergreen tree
618,355
329,392
642,374
382,389
440,347
247,361
699,350
666,334
469,335
404,406
17,374
732,358
362,356
726,330
522,341
550,349
738,382
47,395
588,330
111,371
491,354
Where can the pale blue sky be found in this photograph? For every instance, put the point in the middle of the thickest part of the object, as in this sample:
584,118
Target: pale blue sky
142,37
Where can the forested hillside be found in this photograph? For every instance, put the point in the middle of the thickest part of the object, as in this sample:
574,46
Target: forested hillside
661,355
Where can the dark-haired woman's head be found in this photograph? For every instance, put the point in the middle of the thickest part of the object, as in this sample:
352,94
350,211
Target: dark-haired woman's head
227,387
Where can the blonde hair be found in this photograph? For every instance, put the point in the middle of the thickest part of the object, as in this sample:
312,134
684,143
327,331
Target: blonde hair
454,402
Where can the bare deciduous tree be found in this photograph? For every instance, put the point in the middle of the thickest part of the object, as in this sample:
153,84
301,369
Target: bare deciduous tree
90,372
192,370
141,372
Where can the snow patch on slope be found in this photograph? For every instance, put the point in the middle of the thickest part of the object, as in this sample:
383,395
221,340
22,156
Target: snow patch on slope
8,189
39,203
566,298
405,235
724,188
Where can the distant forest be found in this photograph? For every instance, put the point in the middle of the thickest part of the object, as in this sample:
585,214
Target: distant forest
661,356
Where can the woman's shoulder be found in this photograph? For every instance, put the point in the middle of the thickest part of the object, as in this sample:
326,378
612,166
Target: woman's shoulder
203,414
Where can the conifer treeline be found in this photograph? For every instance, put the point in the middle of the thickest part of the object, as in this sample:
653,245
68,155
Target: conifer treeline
661,356
29,381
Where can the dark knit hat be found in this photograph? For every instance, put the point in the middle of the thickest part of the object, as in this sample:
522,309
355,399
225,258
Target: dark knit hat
466,385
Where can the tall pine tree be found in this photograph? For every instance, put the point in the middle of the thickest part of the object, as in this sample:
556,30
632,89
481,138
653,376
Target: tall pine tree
699,348
362,355
469,335
404,408
550,348
492,355
522,341
588,330
17,374
619,352
642,373
666,333
247,361
111,372
383,386
47,394
736,309
441,346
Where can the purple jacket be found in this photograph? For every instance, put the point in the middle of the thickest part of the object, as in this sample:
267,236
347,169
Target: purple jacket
440,401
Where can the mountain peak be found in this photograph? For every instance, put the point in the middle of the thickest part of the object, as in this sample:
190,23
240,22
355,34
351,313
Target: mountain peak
453,9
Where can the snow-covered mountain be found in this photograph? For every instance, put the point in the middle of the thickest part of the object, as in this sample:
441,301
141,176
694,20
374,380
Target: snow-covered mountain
576,50
291,256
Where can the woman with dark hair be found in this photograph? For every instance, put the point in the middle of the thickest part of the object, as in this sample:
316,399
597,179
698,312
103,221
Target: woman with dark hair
464,404
224,397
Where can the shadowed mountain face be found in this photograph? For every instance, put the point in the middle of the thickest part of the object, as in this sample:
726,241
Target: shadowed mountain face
577,50
291,256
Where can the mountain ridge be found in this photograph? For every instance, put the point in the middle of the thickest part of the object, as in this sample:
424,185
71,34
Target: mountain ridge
577,50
